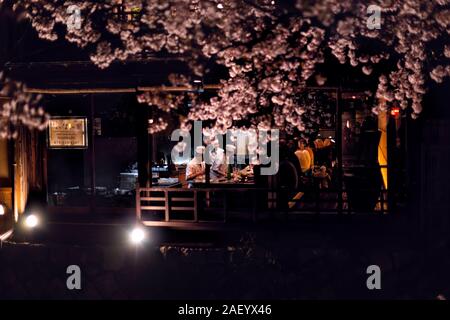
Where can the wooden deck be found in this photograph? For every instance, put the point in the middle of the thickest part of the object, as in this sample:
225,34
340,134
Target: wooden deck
212,207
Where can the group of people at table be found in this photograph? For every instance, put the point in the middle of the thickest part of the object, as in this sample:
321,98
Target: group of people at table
220,170
196,168
310,159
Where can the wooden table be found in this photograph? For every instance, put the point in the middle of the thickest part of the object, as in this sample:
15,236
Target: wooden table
172,185
223,184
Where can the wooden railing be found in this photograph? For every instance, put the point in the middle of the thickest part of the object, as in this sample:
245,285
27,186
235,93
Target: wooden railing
167,199
172,206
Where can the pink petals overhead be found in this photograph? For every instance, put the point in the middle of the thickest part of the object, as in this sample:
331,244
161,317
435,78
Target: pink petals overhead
269,49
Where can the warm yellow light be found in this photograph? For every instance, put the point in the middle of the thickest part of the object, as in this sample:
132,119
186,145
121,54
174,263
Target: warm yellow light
2,210
382,147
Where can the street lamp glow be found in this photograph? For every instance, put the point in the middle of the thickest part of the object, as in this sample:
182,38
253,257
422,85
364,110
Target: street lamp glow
31,221
137,235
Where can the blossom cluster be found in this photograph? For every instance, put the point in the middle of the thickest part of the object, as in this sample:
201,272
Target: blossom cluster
20,109
271,50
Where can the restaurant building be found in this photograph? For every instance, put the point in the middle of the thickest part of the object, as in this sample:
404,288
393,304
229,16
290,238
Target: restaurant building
97,156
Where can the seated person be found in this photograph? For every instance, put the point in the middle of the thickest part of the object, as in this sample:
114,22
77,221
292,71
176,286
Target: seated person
323,177
309,148
247,171
218,165
303,156
195,169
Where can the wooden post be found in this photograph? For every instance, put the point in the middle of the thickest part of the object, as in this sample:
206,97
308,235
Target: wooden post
339,147
195,206
150,142
167,207
144,147
138,202
285,202
92,154
44,150
12,177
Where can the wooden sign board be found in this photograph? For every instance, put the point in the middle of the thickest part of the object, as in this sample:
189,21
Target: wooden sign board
67,133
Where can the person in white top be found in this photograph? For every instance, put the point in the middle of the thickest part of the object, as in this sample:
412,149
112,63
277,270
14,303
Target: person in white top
195,169
218,164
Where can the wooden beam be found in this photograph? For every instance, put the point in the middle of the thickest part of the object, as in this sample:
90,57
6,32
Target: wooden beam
345,94
79,91
121,90
179,88
192,225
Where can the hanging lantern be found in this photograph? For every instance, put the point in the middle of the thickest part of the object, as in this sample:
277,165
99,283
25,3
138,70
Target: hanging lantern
395,112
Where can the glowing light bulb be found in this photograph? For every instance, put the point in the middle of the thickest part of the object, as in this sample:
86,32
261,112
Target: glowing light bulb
137,235
31,221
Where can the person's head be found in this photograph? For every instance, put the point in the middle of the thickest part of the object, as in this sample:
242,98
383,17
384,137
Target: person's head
199,151
291,145
301,144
